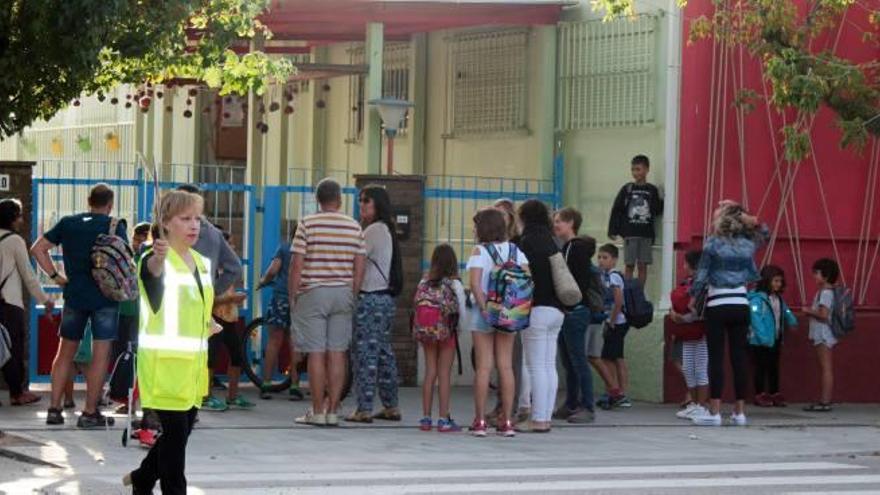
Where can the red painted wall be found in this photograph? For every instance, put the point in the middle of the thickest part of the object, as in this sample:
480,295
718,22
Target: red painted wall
843,176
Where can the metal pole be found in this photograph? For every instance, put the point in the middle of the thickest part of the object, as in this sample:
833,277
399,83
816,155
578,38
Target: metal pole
673,102
390,141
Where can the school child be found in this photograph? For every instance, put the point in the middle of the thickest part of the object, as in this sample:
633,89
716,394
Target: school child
635,209
690,331
439,304
770,317
826,272
616,328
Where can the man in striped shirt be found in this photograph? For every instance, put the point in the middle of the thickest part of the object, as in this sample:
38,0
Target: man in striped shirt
325,277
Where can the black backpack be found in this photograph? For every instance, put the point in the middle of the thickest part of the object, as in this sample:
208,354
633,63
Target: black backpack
639,311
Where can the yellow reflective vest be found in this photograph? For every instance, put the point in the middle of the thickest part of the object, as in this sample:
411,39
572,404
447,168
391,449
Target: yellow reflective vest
172,357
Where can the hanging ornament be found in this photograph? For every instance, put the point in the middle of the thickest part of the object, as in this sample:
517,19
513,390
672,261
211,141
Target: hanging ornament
145,102
101,97
169,109
127,97
274,106
159,94
189,102
111,141
193,92
83,143
114,100
206,110
76,103
326,87
288,109
320,104
187,113
128,104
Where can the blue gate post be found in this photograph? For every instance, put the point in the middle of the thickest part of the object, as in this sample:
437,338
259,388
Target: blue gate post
271,234
34,341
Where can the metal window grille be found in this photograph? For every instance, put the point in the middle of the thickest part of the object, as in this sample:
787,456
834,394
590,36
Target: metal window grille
489,81
607,74
395,84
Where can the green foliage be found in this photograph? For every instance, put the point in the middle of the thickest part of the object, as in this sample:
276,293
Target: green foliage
51,51
802,80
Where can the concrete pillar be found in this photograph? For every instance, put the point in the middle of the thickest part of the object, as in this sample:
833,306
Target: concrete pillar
419,97
373,51
545,127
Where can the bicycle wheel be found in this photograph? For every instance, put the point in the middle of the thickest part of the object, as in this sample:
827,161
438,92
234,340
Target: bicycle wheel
253,357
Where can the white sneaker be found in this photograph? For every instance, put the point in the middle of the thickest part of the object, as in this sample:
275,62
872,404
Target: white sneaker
707,419
738,419
332,419
698,411
687,412
310,418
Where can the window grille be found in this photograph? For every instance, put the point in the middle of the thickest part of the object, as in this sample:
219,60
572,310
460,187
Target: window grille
607,73
395,84
489,81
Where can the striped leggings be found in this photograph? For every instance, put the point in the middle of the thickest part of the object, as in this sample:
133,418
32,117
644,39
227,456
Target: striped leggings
695,363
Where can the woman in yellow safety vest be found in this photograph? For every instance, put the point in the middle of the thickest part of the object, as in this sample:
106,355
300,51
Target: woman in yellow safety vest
176,297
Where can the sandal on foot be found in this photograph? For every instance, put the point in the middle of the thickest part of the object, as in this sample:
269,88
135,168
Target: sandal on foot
359,417
818,407
25,399
388,414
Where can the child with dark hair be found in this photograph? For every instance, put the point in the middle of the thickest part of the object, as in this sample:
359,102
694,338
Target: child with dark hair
635,209
615,330
694,351
770,317
826,273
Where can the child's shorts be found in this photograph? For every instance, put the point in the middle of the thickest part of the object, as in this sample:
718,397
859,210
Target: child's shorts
278,313
638,250
614,337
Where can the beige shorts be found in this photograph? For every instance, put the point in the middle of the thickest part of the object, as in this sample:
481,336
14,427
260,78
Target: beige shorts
322,319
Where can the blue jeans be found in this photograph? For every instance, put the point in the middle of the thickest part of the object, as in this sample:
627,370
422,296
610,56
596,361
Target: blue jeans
105,322
572,350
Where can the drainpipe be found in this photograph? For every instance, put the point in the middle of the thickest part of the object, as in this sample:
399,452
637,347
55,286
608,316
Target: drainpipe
673,106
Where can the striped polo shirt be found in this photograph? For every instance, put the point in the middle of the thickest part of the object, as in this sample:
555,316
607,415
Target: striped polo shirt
330,241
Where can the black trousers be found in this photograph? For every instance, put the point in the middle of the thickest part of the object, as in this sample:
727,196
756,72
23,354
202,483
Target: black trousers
730,322
166,461
12,318
767,368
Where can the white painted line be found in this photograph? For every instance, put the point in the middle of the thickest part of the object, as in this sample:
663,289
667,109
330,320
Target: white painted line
584,485
678,469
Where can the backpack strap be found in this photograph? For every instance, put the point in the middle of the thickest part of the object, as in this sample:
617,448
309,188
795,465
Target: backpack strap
114,222
511,255
496,256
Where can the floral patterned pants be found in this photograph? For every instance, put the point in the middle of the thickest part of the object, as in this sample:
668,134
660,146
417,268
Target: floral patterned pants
373,359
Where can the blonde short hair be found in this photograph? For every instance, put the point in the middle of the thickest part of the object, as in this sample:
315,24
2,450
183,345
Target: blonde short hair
176,202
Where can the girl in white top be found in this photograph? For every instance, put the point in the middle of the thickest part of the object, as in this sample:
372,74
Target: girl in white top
15,268
491,349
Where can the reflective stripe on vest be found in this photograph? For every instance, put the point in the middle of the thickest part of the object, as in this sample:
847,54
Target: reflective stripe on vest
170,339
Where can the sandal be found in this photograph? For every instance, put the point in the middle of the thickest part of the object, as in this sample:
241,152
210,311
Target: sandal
388,414
818,407
359,417
24,399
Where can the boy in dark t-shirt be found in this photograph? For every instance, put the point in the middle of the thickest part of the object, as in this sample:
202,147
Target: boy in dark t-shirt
636,207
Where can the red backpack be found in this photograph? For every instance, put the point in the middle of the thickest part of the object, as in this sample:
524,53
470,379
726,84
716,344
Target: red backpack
680,299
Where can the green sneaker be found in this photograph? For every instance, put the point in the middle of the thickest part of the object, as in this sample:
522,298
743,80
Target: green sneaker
296,394
214,404
240,402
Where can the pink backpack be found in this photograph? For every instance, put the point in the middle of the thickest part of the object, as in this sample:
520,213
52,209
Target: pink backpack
436,308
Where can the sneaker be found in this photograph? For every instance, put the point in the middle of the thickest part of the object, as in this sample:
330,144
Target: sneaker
94,420
54,417
563,413
240,402
698,411
688,411
426,424
296,394
582,417
604,402
331,419
310,418
738,419
265,393
447,425
622,402
70,405
707,419
212,403
505,429
479,428
216,384
763,400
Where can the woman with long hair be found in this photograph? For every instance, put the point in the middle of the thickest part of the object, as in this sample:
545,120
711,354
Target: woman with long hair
726,268
374,361
15,268
540,338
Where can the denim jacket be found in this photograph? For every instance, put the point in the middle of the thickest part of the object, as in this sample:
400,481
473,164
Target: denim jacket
729,262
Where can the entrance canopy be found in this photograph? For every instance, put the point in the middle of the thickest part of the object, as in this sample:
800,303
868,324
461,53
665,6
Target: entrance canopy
330,21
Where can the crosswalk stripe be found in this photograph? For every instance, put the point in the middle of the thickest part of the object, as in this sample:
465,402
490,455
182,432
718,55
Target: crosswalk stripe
584,485
516,472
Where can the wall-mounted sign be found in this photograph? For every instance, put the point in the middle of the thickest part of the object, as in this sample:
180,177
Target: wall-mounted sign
4,182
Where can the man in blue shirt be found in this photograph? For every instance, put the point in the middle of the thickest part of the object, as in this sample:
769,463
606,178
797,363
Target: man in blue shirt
83,302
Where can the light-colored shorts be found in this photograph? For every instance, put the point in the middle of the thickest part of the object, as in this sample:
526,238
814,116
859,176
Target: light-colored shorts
638,250
475,321
594,341
322,319
822,335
